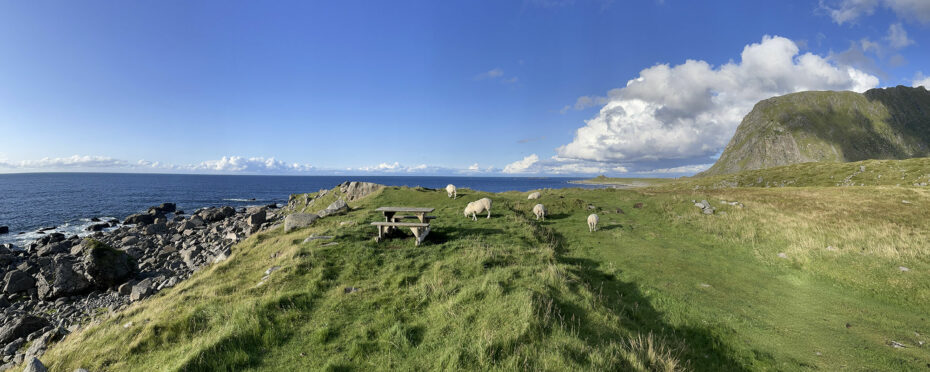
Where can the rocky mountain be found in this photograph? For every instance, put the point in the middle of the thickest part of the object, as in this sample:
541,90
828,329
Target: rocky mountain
887,123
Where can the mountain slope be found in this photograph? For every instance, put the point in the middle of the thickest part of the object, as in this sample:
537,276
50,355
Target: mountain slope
889,123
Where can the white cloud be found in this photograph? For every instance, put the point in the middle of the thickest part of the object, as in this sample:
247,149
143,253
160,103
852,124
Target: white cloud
897,36
921,81
690,111
521,166
584,102
474,167
250,165
493,73
848,11
72,162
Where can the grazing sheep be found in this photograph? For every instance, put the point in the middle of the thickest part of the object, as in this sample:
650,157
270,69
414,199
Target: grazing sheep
450,189
592,222
479,206
539,211
533,196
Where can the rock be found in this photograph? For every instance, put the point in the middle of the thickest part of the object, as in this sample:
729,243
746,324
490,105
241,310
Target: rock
34,365
216,214
190,255
357,190
620,211
902,268
104,266
312,238
97,227
155,228
21,327
163,208
60,279
125,289
54,248
256,219
782,255
12,347
337,207
139,219
4,229
533,196
4,303
17,281
638,205
129,240
906,202
299,220
141,290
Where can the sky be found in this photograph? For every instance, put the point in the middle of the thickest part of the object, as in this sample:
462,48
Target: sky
535,87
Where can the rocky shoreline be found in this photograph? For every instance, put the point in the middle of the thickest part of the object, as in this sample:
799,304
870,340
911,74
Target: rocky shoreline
56,284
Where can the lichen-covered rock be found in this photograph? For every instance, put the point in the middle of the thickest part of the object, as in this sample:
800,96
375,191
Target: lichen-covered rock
104,266
61,279
21,327
299,220
337,207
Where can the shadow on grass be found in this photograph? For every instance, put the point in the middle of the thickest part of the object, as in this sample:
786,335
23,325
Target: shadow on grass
703,350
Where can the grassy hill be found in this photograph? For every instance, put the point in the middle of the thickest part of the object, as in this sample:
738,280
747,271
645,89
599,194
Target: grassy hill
889,123
797,279
908,172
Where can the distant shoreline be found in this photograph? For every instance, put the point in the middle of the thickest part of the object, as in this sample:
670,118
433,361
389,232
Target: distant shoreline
623,183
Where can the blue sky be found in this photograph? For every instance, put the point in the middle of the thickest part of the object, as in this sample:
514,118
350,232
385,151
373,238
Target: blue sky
432,87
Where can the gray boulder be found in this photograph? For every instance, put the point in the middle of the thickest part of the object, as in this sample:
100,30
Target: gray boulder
216,214
104,266
142,290
21,327
357,190
337,207
299,220
256,219
139,219
17,281
163,208
12,347
60,279
34,365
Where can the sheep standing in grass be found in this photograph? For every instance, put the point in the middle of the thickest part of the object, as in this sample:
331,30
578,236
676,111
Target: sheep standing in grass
533,196
450,189
539,211
592,222
478,206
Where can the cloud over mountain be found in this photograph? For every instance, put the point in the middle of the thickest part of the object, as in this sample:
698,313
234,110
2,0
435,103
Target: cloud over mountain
690,111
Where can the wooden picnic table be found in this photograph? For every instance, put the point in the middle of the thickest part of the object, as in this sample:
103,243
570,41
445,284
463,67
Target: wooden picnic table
393,221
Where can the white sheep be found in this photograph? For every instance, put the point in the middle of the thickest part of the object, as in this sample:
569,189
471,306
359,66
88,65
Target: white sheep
539,211
478,206
533,196
450,189
592,222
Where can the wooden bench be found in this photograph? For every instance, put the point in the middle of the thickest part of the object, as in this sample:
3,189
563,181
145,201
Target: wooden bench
392,221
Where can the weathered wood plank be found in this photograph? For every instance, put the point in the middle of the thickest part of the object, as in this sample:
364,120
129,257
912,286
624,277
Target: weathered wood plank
405,209
401,224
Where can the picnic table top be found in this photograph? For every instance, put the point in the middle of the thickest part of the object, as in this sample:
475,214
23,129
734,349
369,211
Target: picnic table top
405,209
401,224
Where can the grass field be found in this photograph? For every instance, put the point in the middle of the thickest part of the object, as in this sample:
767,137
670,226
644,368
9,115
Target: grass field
800,278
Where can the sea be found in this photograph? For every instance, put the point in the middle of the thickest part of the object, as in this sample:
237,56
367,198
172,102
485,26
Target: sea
66,202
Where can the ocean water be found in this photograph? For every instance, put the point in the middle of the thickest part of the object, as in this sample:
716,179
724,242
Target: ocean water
68,201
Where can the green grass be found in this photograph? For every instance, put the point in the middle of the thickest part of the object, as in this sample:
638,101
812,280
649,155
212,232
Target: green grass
908,172
663,287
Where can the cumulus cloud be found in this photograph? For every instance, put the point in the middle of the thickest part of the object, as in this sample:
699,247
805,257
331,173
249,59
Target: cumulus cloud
848,11
250,165
474,167
921,81
690,111
521,166
72,162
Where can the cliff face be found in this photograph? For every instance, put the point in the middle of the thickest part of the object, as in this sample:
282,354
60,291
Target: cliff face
889,123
